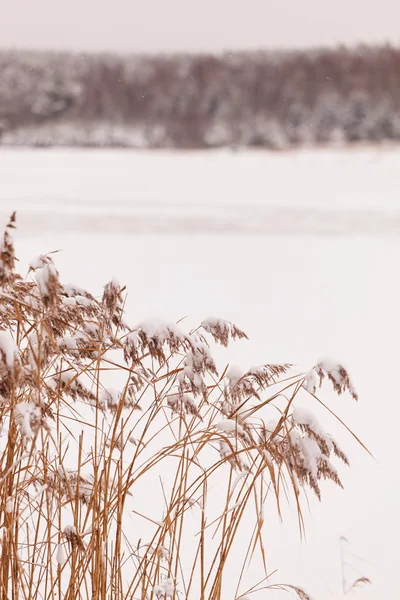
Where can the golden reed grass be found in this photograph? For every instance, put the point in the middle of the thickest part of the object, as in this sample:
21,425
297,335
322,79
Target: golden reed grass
114,439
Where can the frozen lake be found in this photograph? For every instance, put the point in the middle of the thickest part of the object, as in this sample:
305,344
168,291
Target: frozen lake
325,192
307,265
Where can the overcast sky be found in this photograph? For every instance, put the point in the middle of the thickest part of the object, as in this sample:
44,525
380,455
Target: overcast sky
165,25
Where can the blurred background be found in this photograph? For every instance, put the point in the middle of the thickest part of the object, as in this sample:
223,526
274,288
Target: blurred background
205,74
238,159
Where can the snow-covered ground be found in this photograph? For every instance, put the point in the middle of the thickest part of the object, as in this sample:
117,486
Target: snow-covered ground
299,249
323,192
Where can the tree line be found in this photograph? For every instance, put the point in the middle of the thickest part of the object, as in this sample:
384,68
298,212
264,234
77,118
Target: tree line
260,99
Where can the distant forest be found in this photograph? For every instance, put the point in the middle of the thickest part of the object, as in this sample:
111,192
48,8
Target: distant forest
261,99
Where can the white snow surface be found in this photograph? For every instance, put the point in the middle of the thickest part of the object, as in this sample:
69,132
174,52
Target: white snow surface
280,272
9,350
230,426
24,412
304,416
60,555
234,373
328,192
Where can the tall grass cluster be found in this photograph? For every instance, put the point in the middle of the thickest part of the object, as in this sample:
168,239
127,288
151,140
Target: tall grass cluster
131,465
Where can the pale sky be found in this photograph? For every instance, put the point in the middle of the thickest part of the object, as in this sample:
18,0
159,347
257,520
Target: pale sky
194,25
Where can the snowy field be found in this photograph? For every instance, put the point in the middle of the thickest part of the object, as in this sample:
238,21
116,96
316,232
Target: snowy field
301,250
324,192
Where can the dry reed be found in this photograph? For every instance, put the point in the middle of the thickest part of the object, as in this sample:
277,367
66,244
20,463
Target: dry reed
113,438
